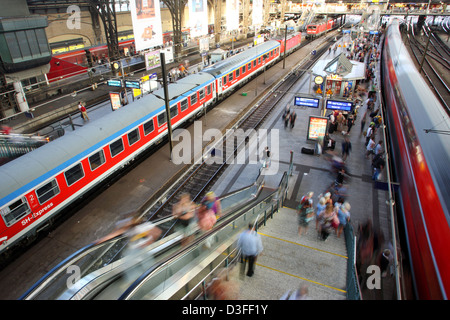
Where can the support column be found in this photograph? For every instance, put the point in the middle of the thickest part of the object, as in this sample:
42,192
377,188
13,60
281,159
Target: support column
217,20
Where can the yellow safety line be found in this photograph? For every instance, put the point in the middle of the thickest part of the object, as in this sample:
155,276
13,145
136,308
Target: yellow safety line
293,275
302,245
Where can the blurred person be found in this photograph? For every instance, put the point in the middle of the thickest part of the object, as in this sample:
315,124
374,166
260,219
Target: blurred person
266,157
346,147
222,287
299,294
319,209
305,214
251,246
292,119
370,147
326,220
378,164
343,216
184,211
212,203
140,235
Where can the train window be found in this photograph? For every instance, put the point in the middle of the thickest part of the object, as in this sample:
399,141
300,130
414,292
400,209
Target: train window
162,118
133,137
74,174
173,111
243,69
254,63
193,99
208,89
201,94
249,66
148,127
184,105
96,160
15,211
47,191
230,77
116,147
271,53
259,60
238,72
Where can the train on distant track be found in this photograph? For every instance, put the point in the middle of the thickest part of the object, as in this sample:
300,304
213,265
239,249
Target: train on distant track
319,27
76,62
39,185
421,157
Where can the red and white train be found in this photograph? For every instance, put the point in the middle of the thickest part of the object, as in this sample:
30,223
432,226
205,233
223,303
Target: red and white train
317,29
39,185
421,160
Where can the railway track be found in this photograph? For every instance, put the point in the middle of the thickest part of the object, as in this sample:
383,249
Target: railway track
435,64
204,174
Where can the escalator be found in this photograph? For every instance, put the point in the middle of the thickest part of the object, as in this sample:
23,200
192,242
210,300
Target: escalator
104,271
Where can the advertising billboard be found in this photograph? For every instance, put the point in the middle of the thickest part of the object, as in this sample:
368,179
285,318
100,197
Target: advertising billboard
198,10
147,27
152,60
317,127
232,16
257,13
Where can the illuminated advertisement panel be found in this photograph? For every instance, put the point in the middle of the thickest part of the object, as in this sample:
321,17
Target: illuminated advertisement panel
339,105
115,100
197,12
147,27
317,127
306,102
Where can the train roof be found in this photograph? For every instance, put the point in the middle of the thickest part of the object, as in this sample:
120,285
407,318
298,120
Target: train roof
37,166
425,111
248,55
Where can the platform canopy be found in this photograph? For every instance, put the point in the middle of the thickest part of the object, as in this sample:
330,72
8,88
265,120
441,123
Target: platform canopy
341,66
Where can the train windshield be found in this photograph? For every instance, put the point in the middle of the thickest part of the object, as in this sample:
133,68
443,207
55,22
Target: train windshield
312,28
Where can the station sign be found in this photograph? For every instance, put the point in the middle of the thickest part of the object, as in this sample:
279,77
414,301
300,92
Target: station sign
133,84
339,105
306,102
317,127
115,83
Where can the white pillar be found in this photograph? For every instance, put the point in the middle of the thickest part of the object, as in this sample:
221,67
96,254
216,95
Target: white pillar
20,97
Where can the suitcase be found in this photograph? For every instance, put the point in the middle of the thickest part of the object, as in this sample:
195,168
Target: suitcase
307,150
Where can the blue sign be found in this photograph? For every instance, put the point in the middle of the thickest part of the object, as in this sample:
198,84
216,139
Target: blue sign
373,32
153,75
132,84
306,102
339,105
115,83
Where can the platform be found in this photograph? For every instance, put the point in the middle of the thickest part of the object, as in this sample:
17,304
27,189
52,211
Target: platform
289,260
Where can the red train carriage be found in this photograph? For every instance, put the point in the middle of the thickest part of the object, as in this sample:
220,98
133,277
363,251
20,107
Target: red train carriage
421,167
